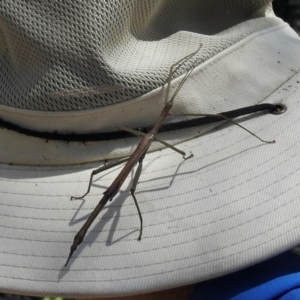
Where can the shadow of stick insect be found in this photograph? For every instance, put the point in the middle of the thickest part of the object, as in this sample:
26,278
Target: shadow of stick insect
138,155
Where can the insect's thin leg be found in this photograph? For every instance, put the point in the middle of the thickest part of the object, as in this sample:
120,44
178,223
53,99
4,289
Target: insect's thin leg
173,69
175,149
133,188
139,212
135,132
230,120
97,171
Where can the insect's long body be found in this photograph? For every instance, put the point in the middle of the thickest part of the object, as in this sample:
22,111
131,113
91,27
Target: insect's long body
113,189
137,156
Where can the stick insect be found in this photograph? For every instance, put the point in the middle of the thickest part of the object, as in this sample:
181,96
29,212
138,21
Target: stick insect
138,155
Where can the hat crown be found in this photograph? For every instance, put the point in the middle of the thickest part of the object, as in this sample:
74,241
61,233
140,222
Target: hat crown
81,56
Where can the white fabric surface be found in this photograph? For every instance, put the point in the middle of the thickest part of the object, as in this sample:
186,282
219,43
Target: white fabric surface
233,205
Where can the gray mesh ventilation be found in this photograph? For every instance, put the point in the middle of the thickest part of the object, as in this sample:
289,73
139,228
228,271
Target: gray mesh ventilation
76,55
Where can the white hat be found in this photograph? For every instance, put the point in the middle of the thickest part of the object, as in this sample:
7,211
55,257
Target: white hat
85,68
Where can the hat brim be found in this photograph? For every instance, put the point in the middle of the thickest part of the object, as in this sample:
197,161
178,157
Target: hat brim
235,203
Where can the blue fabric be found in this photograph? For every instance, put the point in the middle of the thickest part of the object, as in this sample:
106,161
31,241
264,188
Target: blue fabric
292,295
275,279
279,288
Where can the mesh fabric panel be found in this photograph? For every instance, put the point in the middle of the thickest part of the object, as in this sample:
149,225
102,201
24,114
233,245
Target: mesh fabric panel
77,55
